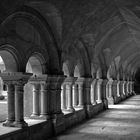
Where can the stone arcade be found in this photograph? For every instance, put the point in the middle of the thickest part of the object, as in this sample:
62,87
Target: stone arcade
63,62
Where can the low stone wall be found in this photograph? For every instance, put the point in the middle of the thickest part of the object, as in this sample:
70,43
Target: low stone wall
46,129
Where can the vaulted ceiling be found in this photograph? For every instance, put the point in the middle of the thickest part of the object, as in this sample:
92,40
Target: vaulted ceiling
95,33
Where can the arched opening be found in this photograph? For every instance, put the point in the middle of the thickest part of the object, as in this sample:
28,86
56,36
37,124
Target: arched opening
66,70
36,67
7,64
76,72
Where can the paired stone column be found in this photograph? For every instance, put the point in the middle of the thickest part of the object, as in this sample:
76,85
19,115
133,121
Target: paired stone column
15,82
99,94
69,96
70,107
110,94
84,91
93,92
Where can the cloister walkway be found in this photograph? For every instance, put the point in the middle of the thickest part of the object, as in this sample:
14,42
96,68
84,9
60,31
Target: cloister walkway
119,122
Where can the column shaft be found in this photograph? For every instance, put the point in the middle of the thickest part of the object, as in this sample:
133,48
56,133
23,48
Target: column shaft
63,97
75,95
11,105
36,106
99,99
19,108
70,101
45,109
80,90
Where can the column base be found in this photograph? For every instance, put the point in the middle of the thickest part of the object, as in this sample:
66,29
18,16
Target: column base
22,124
34,115
123,97
116,100
58,121
99,101
71,110
95,103
45,117
110,101
8,123
80,106
105,103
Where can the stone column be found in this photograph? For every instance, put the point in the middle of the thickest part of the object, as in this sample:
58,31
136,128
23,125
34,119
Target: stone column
114,91
87,85
110,94
70,98
105,101
121,90
75,95
131,88
124,89
81,98
45,101
63,97
36,102
11,104
133,92
118,89
93,92
19,104
99,94
127,88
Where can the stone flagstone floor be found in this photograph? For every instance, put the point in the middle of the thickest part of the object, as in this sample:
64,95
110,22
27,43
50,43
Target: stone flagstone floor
119,122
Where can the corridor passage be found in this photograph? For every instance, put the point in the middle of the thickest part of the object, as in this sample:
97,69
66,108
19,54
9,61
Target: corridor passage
119,122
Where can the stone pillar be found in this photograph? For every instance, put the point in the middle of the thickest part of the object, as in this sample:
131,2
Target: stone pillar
99,94
19,104
87,86
124,89
131,87
133,92
121,90
105,101
70,98
114,91
93,92
63,97
75,95
127,88
11,104
81,98
44,100
118,89
36,102
54,88
110,94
